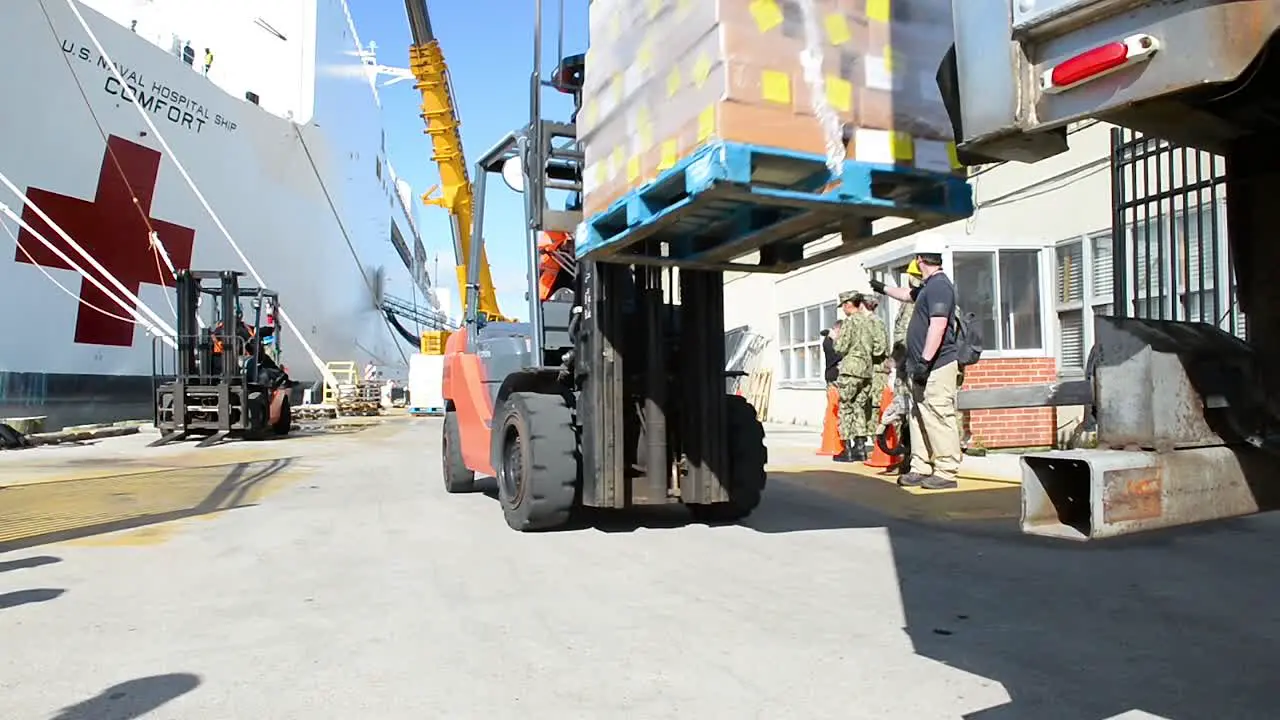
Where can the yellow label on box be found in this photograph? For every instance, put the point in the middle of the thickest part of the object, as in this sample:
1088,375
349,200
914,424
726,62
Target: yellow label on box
633,169
903,146
953,156
615,161
644,56
673,82
668,159
653,6
683,7
593,112
767,14
878,10
776,86
701,69
614,29
645,135
706,123
837,29
839,93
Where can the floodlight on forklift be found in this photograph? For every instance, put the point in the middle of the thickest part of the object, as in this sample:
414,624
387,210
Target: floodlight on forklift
1098,62
513,173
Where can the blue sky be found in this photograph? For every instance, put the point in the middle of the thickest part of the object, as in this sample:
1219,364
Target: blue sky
488,45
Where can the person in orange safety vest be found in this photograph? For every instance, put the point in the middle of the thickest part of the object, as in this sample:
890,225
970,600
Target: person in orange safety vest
551,243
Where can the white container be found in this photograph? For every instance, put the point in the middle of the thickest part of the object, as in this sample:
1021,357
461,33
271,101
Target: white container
426,384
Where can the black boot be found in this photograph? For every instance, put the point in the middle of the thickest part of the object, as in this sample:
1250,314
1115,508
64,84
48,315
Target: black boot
846,452
858,453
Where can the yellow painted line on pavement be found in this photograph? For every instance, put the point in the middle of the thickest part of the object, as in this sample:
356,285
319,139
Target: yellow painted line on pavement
56,472
865,471
43,466
972,500
87,509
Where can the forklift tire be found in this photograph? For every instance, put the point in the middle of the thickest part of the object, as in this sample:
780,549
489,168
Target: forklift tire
536,461
284,424
457,477
747,458
257,409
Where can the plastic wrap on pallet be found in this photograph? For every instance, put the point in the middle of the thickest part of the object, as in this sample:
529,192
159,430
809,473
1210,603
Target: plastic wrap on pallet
665,77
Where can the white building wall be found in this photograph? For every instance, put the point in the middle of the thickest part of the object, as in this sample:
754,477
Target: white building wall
1017,206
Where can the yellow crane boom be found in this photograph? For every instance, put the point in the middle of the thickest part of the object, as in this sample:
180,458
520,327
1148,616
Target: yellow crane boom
439,111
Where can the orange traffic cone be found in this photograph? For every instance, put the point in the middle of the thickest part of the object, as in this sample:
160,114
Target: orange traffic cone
879,458
831,444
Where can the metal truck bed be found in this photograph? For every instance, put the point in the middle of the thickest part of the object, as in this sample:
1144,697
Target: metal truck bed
1025,69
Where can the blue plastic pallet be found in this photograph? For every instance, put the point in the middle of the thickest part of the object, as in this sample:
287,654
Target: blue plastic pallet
729,199
418,411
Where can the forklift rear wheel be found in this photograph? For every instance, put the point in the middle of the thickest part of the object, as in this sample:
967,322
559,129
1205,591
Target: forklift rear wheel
747,458
258,409
457,478
284,424
535,460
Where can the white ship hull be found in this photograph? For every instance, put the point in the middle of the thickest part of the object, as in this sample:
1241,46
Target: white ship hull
300,184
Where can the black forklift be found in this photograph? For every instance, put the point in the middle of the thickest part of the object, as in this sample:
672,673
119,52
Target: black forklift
227,381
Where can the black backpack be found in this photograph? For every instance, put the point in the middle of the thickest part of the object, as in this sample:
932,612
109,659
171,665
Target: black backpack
968,338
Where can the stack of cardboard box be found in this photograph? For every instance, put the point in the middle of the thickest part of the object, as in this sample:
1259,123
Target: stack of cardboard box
665,77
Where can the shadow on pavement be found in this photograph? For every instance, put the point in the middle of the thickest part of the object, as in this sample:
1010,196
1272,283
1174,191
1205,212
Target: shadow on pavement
131,699
803,501
228,494
27,563
1182,623
29,597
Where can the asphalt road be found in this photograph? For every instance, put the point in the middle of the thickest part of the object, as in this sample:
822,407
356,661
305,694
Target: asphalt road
342,582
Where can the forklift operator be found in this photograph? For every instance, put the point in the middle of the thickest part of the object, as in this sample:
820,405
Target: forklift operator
243,332
252,344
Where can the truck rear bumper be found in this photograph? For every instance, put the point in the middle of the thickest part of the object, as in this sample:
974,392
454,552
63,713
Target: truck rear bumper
1197,43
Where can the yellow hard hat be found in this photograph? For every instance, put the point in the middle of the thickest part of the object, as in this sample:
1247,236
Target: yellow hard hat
914,269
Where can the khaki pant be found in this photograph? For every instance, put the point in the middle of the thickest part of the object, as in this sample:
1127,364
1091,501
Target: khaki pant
935,445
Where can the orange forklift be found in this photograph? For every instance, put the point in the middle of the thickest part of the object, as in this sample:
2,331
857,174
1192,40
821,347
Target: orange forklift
613,393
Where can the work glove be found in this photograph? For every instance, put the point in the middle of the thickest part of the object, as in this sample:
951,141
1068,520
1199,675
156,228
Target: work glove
919,372
877,286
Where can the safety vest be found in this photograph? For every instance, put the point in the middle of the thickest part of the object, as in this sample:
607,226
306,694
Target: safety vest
549,268
217,340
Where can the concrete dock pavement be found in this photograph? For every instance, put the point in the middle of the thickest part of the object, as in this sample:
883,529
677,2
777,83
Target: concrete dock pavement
360,589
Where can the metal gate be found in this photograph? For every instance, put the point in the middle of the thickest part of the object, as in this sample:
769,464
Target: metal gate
1169,233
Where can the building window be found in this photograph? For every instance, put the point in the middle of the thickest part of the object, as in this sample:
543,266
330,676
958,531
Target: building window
800,343
1084,283
1002,289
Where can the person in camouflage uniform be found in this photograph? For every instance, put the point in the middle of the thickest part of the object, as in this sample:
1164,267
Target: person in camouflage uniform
880,362
857,347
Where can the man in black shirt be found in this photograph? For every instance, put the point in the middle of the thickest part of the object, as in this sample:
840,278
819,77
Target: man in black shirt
931,367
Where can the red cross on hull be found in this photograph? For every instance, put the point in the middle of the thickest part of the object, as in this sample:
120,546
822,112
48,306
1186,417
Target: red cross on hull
112,230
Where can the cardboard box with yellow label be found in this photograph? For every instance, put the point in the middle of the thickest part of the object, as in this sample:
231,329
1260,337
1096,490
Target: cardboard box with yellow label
664,77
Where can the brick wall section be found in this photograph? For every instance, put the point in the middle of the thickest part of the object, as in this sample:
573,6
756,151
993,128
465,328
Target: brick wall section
1015,428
